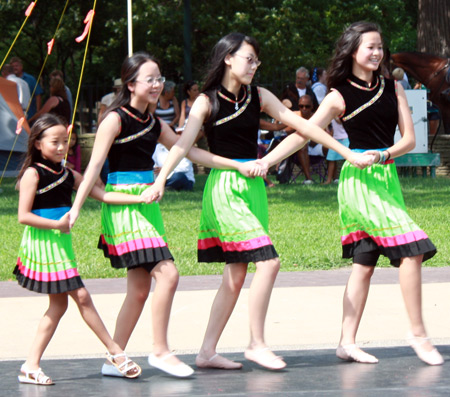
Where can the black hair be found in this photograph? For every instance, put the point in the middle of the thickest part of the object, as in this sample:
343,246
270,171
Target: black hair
227,45
341,63
128,74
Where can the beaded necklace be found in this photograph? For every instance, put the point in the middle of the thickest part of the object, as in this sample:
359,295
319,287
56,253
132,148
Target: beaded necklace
54,184
236,103
369,103
239,111
134,116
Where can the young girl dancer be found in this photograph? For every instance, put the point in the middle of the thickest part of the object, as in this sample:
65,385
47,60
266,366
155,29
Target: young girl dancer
234,220
133,236
46,262
372,211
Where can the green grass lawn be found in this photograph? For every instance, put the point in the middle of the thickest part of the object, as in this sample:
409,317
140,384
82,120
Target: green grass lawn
304,227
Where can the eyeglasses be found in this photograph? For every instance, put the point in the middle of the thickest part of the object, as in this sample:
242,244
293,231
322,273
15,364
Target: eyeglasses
305,106
251,60
153,80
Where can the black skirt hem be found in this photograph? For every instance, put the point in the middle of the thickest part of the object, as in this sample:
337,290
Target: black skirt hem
216,254
422,247
147,256
52,287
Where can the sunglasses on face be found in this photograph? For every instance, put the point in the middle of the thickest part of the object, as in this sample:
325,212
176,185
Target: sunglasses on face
305,106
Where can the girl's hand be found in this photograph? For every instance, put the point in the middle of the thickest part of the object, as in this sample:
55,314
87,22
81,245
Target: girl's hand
251,169
73,216
362,160
153,194
64,223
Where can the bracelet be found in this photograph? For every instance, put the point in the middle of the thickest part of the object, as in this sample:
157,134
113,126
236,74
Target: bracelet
382,157
388,156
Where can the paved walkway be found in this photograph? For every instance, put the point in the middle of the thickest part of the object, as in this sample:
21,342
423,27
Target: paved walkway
303,322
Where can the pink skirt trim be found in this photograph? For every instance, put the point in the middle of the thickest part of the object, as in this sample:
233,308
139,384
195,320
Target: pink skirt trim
247,245
47,277
391,241
134,245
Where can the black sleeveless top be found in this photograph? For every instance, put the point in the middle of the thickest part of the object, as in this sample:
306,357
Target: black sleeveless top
234,133
62,109
371,114
133,149
55,185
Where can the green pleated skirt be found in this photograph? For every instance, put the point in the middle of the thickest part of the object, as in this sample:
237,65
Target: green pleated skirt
46,262
234,220
373,215
133,235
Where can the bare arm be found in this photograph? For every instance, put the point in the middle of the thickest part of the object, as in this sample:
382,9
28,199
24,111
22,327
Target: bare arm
49,105
106,133
176,107
183,114
405,125
99,194
308,129
28,187
267,125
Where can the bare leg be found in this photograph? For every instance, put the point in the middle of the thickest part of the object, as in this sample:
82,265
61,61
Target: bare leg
90,315
331,172
166,277
354,302
223,305
46,329
138,288
260,292
303,158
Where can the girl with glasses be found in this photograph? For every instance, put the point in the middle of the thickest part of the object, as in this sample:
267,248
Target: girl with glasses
133,236
234,220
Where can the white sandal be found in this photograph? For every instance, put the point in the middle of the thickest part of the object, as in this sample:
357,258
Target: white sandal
125,367
35,377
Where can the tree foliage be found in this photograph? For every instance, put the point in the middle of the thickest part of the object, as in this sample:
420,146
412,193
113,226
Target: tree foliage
291,33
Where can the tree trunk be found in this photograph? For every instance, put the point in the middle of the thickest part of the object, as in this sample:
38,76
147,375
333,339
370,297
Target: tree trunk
433,27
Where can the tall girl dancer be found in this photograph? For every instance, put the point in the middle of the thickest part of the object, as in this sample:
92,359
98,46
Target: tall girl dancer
373,216
46,262
234,220
133,236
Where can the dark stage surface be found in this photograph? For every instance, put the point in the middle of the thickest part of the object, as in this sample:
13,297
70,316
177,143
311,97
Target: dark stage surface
309,373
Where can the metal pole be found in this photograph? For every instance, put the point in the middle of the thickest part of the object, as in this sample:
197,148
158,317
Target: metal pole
130,28
187,36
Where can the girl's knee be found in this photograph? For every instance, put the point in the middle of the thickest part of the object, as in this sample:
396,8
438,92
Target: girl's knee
82,297
58,305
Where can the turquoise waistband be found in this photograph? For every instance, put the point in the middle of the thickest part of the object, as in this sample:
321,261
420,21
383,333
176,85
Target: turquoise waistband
243,160
51,213
365,150
130,177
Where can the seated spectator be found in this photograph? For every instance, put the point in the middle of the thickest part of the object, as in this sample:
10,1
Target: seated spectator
302,85
57,103
168,108
398,74
191,92
332,157
108,99
23,91
182,177
319,86
306,110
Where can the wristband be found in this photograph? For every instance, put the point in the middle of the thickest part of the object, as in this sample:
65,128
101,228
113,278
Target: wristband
382,158
388,156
